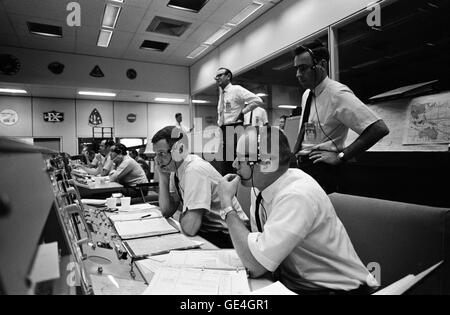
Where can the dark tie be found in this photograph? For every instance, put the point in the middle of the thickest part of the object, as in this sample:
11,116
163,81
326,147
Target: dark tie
257,219
177,186
306,112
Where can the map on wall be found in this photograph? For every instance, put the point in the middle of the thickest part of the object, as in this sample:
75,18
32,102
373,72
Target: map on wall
428,120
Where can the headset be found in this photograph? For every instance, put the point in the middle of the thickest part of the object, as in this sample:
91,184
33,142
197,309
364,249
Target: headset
313,57
178,152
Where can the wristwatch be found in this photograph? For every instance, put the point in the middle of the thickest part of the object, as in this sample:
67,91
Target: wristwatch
224,212
341,156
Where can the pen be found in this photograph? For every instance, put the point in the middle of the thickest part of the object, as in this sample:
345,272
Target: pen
146,216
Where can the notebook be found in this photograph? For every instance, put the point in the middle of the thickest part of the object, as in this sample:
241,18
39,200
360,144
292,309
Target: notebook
143,228
134,216
157,245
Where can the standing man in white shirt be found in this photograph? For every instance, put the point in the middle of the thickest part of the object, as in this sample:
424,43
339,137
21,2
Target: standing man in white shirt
256,118
234,103
295,232
179,120
330,109
234,100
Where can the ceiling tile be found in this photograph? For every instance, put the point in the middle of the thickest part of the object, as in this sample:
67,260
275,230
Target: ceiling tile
9,40
56,9
228,10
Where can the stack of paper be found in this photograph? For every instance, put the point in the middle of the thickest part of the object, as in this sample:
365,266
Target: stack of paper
139,208
143,228
109,285
135,216
204,272
94,202
158,245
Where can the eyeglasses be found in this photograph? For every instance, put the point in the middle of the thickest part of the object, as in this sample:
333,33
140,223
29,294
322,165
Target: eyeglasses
219,76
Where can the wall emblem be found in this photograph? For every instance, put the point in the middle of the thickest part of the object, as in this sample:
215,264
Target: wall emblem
54,117
131,118
9,117
95,119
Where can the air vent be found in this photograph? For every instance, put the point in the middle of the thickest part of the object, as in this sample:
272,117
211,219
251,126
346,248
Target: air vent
44,29
166,26
191,5
155,46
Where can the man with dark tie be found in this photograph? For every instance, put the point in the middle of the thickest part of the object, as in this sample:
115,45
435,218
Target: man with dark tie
295,232
195,184
234,103
330,109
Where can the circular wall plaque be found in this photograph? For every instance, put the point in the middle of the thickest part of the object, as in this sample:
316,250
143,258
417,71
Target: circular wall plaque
131,118
131,74
9,117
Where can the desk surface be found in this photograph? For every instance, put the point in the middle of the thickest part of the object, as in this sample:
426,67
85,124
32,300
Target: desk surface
109,259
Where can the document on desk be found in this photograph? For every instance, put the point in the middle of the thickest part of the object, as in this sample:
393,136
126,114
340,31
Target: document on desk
139,208
157,245
401,286
187,281
136,215
46,264
143,228
226,259
109,285
276,288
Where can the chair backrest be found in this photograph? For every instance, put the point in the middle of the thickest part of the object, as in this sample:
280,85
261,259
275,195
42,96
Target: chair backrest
401,238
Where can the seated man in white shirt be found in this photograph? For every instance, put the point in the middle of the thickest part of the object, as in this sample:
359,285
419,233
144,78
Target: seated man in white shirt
196,183
295,232
104,162
128,172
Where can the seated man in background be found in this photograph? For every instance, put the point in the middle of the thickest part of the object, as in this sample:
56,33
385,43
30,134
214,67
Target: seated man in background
196,182
128,172
104,162
142,162
295,232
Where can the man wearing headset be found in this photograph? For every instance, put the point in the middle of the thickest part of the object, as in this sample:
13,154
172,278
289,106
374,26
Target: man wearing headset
295,232
330,109
196,186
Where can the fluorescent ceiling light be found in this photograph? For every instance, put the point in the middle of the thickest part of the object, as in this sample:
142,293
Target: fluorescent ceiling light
197,52
170,100
246,13
15,91
97,93
104,38
111,15
261,94
287,106
218,35
199,102
121,1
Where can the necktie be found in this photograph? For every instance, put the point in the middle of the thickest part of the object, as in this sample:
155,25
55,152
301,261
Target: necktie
257,219
177,186
306,112
251,119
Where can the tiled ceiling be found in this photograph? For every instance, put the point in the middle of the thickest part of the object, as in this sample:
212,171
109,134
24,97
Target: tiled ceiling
130,32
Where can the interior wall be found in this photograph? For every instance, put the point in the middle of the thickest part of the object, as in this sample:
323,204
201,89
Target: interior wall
152,77
149,118
66,129
284,25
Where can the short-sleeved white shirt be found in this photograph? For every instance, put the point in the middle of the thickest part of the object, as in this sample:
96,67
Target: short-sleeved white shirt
258,117
338,110
304,238
199,187
232,100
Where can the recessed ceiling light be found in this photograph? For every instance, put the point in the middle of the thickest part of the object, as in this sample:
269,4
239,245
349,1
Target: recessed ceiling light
191,5
246,13
153,45
197,52
199,102
104,38
218,35
14,91
44,29
287,106
170,100
111,15
87,93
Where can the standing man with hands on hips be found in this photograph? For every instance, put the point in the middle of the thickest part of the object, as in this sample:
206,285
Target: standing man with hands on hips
330,109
